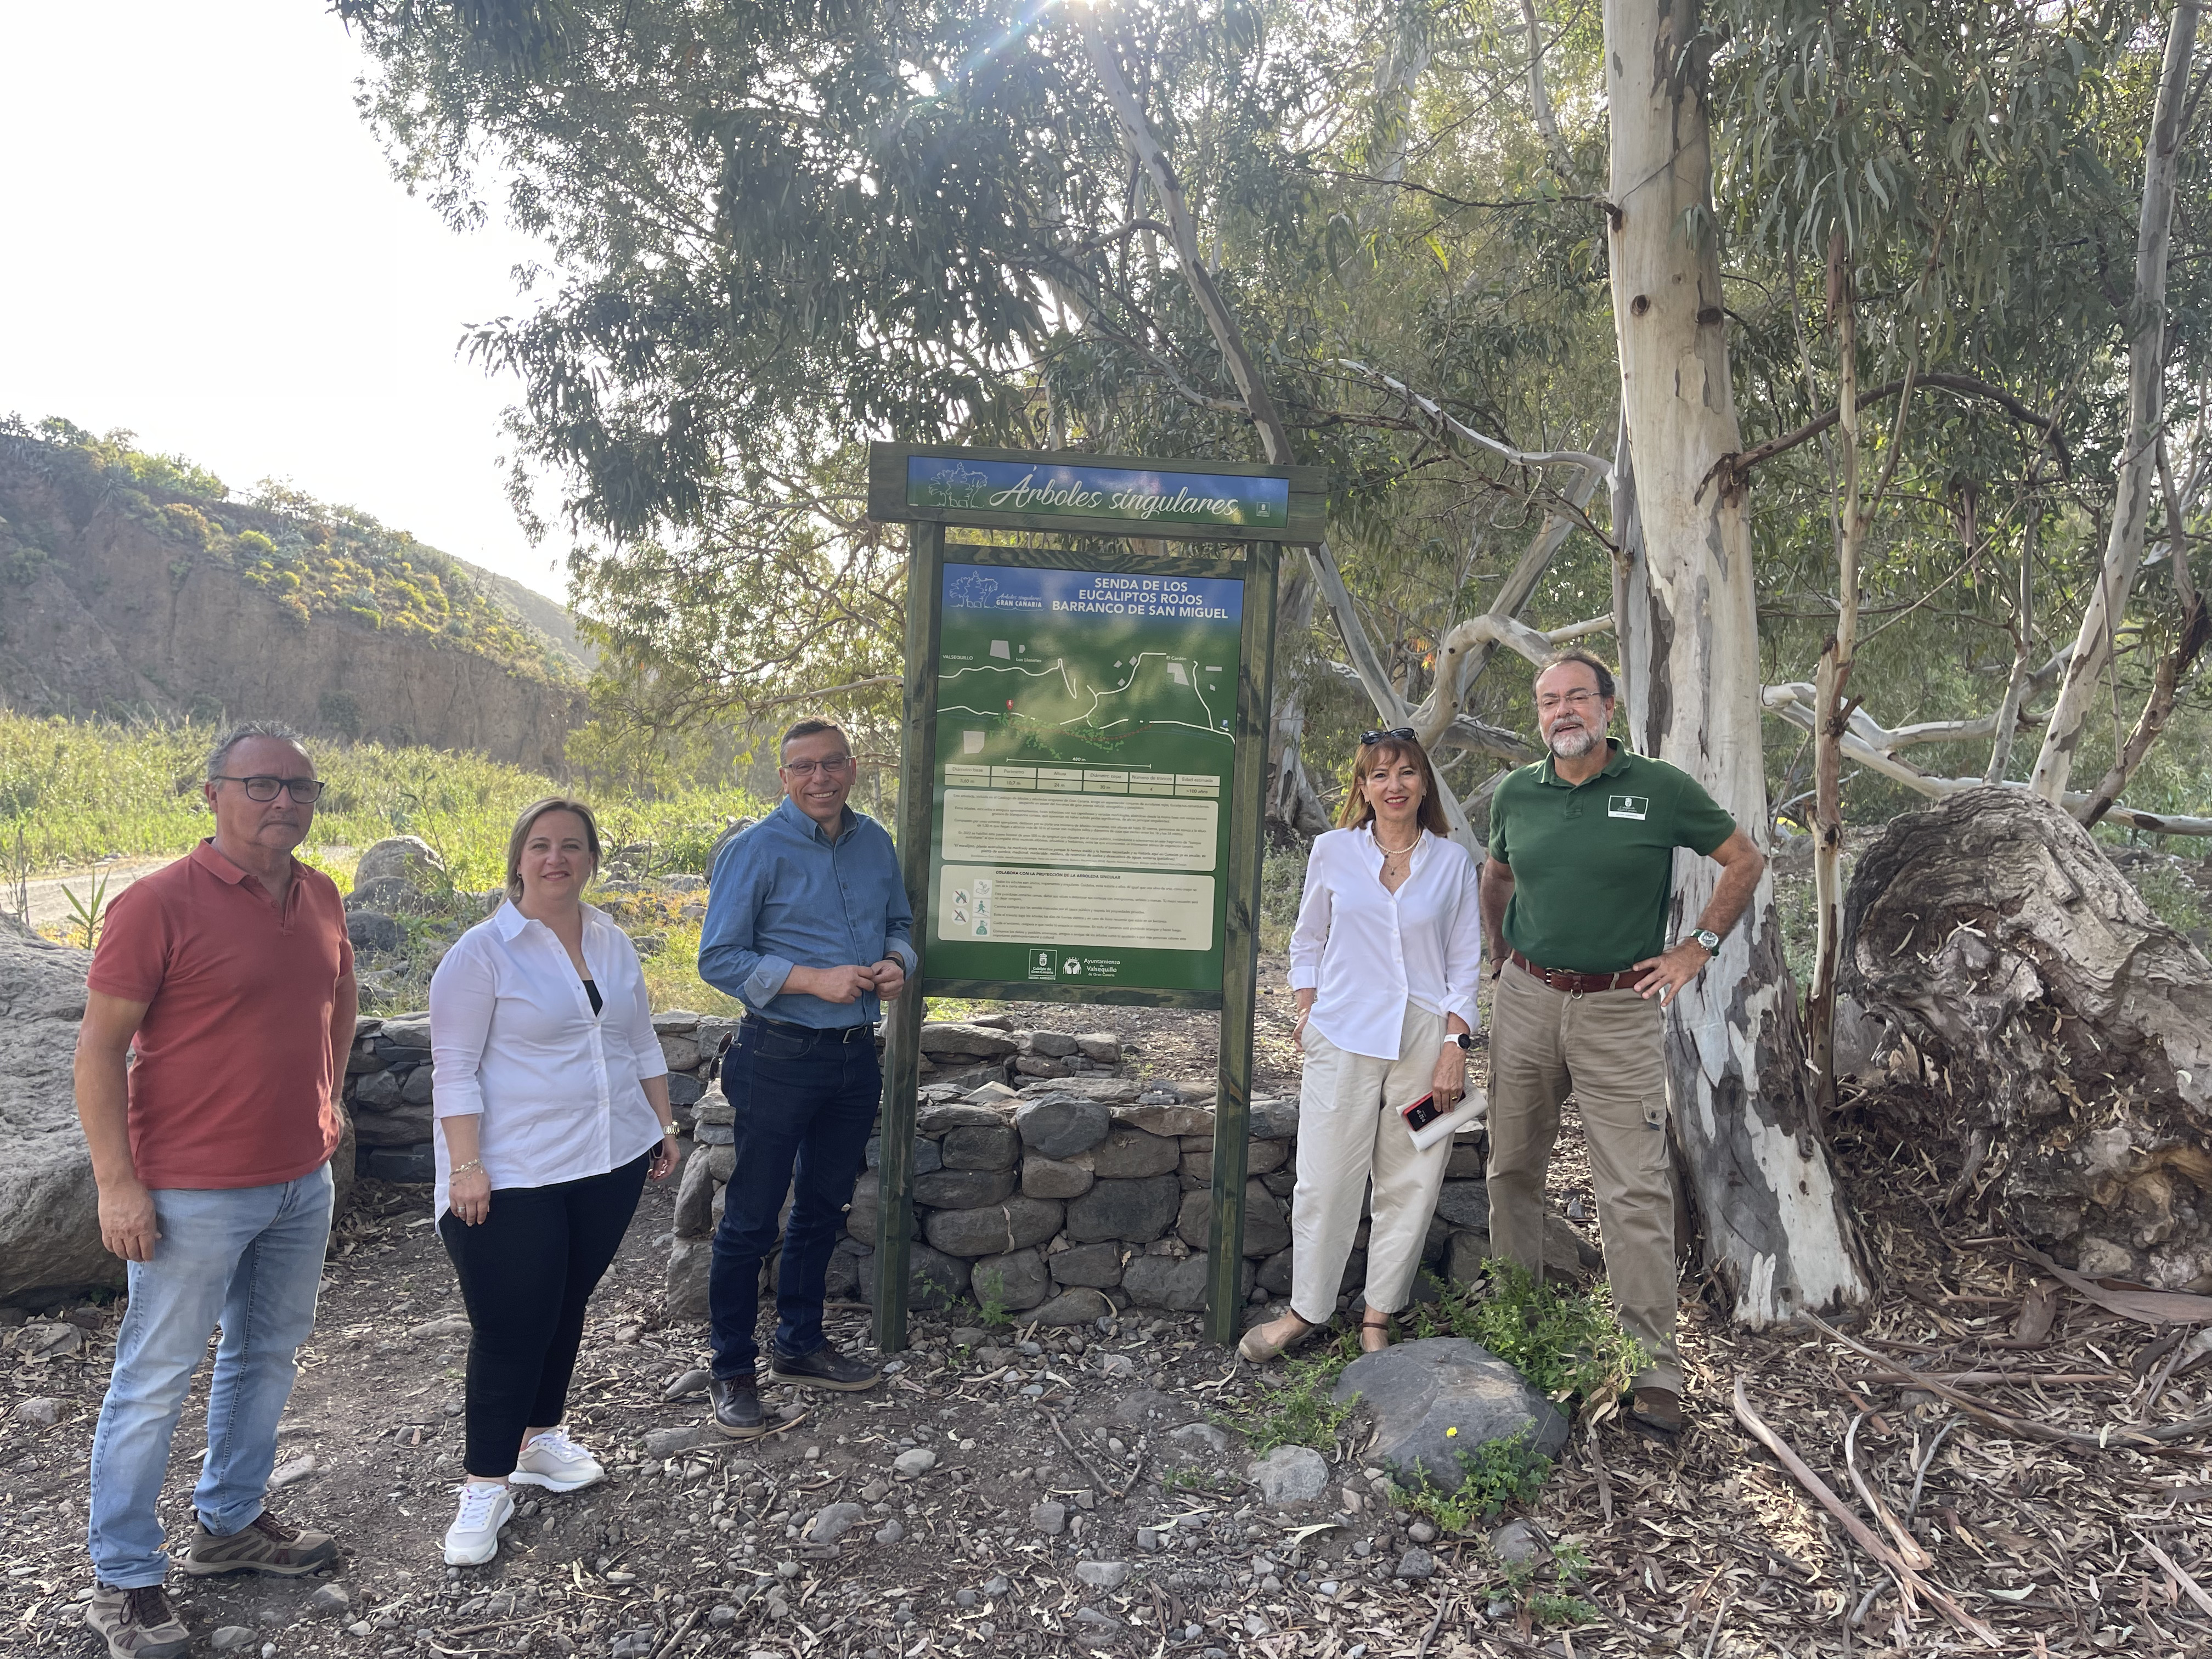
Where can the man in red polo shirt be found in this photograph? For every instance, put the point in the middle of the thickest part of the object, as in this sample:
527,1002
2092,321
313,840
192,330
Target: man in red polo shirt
230,974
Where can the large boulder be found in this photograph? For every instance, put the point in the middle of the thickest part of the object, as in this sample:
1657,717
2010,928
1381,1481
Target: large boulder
1433,1401
49,1208
408,860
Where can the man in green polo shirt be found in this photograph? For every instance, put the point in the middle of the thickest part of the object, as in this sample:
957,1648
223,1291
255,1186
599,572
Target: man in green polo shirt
1575,900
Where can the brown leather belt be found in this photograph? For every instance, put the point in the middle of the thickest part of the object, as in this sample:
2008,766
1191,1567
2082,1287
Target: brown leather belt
1581,985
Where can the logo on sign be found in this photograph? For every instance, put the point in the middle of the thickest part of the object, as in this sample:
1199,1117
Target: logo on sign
1628,806
1041,965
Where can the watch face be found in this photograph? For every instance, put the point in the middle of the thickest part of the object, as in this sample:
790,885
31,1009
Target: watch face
1710,941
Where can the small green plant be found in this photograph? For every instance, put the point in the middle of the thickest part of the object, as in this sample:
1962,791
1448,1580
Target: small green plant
1492,1475
1569,1566
90,912
994,1315
2171,898
1567,1342
1298,1410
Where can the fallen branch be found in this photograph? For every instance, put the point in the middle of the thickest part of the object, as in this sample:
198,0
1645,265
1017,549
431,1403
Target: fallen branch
2156,1309
2189,1586
2113,1437
1783,702
1912,1582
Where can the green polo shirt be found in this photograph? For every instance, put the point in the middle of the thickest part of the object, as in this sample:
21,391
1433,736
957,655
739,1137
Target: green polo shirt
1594,863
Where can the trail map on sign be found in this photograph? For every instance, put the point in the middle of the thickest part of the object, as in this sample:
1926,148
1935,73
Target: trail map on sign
1084,748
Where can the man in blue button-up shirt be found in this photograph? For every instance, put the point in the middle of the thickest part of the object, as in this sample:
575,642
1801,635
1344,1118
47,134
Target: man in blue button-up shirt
807,924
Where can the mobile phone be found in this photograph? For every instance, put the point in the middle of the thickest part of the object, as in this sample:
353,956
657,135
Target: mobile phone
1422,1113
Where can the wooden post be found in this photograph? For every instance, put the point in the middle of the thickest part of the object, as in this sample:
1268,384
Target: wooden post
902,1044
1240,948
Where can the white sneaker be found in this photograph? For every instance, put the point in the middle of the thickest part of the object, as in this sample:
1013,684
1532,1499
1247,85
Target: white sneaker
486,1506
556,1462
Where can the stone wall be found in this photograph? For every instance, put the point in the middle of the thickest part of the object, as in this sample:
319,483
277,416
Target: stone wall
388,1086
1064,1199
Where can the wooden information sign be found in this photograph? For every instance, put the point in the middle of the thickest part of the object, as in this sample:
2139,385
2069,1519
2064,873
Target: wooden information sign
1081,793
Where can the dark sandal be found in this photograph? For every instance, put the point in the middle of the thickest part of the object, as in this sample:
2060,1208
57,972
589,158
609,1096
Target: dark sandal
1368,1322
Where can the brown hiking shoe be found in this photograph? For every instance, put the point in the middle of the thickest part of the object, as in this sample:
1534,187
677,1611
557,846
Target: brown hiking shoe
1658,1411
136,1624
264,1544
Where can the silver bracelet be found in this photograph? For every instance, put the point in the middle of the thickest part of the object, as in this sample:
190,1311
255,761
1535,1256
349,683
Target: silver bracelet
462,1168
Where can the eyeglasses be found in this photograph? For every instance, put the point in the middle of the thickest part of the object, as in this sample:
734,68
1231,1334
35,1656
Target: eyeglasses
1395,734
834,767
1568,700
306,791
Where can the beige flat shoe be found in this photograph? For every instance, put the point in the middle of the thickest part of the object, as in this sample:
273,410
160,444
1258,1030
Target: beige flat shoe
1265,1342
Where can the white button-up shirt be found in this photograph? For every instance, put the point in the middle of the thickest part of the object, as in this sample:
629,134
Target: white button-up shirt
1368,951
556,1089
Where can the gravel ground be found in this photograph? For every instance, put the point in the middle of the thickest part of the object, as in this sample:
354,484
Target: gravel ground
1026,1493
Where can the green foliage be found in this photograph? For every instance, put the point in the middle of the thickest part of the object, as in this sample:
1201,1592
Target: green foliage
1282,885
1493,1475
1567,1342
1296,1410
992,1314
2178,904
89,909
76,791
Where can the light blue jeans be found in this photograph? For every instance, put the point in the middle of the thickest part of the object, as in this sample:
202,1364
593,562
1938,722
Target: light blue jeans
251,1260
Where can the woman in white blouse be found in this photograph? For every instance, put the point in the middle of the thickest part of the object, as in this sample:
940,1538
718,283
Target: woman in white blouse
1384,962
552,1105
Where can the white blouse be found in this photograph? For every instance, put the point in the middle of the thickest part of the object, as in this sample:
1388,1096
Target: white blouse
513,1038
1369,951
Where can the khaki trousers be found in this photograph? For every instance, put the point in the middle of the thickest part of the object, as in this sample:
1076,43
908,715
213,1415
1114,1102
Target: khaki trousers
1605,1049
1349,1134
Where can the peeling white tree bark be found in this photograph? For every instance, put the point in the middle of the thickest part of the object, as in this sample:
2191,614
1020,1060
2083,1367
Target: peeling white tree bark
1779,1233
2084,686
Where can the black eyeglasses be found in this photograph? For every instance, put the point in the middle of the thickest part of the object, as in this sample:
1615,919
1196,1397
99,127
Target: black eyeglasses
306,791
1395,734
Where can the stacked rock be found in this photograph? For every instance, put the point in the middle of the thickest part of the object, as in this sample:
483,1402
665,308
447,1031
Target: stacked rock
987,1049
388,1084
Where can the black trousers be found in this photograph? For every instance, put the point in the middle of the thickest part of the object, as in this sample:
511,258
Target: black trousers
527,1270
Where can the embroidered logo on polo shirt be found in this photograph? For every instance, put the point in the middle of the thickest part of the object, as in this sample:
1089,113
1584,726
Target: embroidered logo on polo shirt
1627,806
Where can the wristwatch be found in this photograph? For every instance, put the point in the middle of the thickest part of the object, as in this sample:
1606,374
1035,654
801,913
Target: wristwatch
1463,1039
1711,941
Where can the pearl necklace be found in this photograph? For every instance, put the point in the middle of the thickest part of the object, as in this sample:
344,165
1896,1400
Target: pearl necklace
1389,853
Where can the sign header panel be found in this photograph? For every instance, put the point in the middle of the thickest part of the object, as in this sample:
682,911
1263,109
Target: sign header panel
1075,492
1112,496
1085,748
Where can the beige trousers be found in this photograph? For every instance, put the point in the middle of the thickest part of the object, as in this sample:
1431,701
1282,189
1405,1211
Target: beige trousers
1605,1049
1350,1134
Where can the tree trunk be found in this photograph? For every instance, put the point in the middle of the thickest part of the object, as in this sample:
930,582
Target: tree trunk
1779,1233
2063,1033
2084,685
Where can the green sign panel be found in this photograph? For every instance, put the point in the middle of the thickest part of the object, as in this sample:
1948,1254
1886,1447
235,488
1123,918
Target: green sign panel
1086,740
1116,497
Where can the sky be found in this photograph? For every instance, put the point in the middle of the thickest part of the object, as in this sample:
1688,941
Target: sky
203,244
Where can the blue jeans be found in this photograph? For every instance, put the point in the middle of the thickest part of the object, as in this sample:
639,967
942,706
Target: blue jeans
806,1107
250,1259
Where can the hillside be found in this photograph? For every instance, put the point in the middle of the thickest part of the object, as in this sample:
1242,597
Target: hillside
134,584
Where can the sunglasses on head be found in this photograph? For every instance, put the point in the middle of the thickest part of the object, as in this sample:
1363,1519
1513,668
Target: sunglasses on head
1395,734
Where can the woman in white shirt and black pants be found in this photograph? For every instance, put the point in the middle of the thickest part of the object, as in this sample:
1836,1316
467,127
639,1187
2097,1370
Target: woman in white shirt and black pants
552,1103
1384,963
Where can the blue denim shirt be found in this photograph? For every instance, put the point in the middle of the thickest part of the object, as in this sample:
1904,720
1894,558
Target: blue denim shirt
783,895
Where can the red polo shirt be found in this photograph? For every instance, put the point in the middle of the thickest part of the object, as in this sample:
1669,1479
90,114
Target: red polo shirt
232,1087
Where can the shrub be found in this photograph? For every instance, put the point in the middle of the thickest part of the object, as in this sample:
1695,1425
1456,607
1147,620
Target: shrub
1567,1342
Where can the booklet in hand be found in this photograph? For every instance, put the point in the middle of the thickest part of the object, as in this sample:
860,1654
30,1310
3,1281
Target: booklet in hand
1429,1123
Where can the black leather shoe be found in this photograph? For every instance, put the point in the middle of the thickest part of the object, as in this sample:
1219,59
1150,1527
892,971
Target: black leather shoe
736,1401
825,1368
